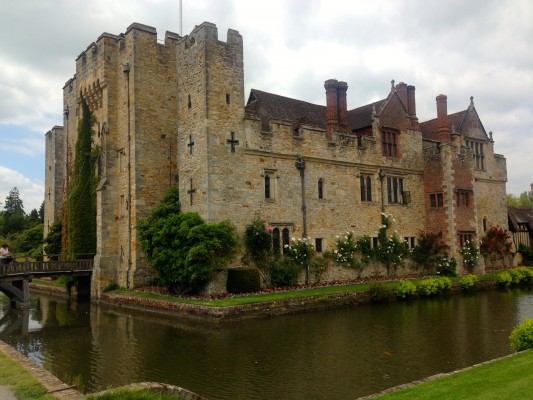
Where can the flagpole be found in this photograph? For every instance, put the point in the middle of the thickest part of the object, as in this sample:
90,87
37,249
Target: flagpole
181,18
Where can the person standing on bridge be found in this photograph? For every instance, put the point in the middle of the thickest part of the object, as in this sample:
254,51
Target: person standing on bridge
5,258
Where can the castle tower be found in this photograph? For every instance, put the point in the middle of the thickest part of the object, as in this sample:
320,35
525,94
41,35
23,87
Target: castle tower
55,153
129,83
210,125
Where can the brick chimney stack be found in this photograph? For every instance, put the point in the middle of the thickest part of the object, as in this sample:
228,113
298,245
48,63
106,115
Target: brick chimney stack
342,106
443,131
401,89
411,101
332,115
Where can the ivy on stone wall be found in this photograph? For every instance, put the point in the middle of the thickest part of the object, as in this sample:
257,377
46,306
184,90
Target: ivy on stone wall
81,202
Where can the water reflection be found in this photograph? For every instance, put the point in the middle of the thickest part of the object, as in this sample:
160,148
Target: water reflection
333,354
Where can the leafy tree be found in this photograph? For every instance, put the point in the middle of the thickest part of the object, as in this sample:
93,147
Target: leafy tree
52,242
41,213
524,200
14,216
28,241
33,218
81,203
13,204
182,248
14,223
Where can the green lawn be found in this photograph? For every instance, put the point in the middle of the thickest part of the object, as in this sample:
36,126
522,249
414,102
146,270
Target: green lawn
260,297
510,378
20,381
278,296
127,394
25,387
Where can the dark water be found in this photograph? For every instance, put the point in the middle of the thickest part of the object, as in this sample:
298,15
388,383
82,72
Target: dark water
333,354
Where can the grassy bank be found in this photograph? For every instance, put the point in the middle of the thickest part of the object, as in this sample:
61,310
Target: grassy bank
509,378
20,381
289,294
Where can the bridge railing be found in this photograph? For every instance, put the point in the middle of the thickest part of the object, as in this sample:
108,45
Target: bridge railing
27,266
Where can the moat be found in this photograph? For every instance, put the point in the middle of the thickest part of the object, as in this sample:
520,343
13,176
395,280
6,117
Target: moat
330,354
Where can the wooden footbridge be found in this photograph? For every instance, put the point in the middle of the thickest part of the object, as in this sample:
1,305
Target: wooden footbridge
15,277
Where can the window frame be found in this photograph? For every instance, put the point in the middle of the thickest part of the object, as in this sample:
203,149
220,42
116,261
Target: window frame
436,200
390,142
365,188
395,189
478,153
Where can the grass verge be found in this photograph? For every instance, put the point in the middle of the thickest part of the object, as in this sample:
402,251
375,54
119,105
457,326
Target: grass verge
506,379
129,394
20,381
279,295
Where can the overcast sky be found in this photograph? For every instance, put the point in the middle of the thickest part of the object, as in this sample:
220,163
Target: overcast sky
461,48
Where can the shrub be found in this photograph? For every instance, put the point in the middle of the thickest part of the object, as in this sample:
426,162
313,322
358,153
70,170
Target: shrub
379,292
405,289
300,251
470,254
522,336
258,242
428,287
443,284
521,275
497,242
391,250
467,282
446,266
319,265
182,248
428,251
285,273
243,280
347,251
504,279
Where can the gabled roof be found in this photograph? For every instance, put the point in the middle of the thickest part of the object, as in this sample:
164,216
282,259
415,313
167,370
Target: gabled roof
520,215
429,128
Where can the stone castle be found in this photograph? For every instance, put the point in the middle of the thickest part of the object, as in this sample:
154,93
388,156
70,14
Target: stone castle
175,113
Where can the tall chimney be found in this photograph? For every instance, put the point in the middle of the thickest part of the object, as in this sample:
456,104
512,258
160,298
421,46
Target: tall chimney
411,101
443,132
332,120
401,89
342,87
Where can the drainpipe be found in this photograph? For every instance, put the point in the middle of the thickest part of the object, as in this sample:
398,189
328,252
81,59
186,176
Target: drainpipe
382,175
126,70
65,113
300,165
65,220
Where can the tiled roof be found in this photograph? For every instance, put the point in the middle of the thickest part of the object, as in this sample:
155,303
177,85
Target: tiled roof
361,117
429,128
520,215
272,106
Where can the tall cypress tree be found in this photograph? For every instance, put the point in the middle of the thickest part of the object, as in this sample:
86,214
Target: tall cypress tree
81,203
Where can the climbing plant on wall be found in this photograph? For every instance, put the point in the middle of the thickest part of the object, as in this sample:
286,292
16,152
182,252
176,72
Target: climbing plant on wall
81,202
